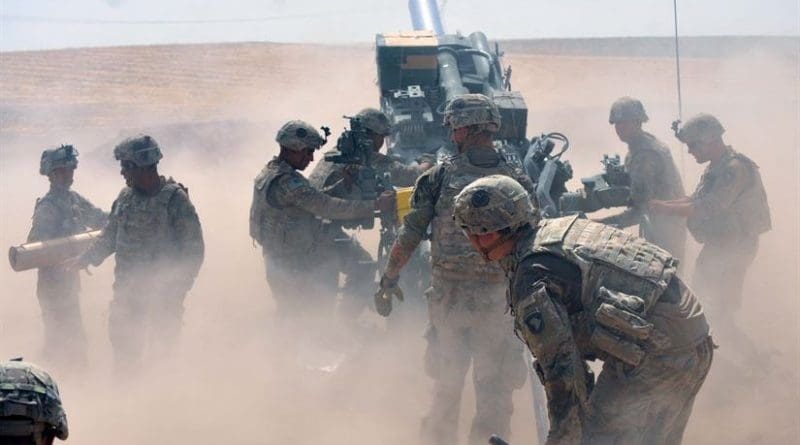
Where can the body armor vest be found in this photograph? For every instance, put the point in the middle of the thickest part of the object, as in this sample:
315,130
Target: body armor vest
69,210
143,226
607,257
284,231
452,254
747,216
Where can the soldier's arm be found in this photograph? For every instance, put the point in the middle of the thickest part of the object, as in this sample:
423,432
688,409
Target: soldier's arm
296,190
415,224
92,217
45,220
106,243
188,236
542,322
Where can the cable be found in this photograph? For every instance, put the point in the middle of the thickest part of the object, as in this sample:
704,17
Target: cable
676,124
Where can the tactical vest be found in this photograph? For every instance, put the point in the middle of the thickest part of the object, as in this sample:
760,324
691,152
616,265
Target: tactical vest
453,255
69,213
285,232
622,278
747,216
143,226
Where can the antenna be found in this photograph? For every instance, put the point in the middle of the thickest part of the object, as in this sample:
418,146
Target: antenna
676,125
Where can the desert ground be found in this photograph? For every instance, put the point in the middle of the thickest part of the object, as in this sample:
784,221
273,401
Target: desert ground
215,110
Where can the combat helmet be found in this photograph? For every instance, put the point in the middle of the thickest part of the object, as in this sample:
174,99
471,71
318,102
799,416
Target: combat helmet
375,121
299,135
142,150
472,109
702,127
65,156
627,109
492,204
30,404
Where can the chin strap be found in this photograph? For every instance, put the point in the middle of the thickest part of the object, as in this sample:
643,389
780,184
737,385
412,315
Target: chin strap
486,251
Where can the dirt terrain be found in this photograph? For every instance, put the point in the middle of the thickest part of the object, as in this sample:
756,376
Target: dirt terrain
215,110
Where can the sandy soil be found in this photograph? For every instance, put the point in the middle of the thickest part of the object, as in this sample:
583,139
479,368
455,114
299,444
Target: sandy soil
215,109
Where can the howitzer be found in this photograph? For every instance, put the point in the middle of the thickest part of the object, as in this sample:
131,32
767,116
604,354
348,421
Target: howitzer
611,188
50,252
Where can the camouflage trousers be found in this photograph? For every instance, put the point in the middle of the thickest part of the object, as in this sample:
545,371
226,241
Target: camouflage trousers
358,268
650,404
719,277
468,325
301,286
143,319
58,291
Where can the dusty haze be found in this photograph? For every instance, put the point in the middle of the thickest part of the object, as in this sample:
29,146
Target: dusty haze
215,110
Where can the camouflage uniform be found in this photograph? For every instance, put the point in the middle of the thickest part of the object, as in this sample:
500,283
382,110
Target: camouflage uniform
653,175
581,290
466,300
730,213
30,404
60,213
158,245
286,220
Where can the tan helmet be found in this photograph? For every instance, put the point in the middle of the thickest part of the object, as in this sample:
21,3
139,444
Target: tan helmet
627,109
472,109
65,156
297,135
142,150
375,121
30,404
702,127
493,203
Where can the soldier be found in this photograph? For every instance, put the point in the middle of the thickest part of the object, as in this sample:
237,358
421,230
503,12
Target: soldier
155,233
653,175
286,220
580,290
466,300
726,214
62,212
339,180
30,406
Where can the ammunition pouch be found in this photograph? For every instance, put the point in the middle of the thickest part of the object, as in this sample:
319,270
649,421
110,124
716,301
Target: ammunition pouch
620,329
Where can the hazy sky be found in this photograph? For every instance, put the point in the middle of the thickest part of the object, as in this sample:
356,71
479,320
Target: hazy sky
40,24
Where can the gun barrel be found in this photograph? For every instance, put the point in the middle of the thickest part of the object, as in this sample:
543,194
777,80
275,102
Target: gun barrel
51,252
425,16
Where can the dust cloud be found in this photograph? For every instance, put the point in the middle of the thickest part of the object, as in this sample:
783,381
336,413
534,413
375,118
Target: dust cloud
241,376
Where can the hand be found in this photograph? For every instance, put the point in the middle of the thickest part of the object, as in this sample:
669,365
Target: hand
386,202
387,290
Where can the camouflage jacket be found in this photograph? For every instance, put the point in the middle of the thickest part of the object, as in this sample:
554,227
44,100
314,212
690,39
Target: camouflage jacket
581,290
154,238
730,201
653,175
287,211
453,256
62,212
